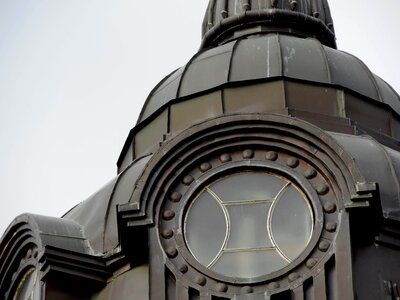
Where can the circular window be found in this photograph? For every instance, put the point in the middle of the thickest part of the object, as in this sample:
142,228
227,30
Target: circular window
257,223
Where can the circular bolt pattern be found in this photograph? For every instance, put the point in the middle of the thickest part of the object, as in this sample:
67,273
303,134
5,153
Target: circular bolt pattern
187,180
167,234
310,173
273,286
221,287
171,252
183,269
322,189
248,153
176,197
324,246
330,207
205,167
331,226
294,276
311,263
168,215
271,155
292,162
200,280
225,158
247,289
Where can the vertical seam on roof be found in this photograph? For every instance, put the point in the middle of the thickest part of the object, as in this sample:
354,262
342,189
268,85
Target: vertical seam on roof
178,90
328,67
372,77
231,59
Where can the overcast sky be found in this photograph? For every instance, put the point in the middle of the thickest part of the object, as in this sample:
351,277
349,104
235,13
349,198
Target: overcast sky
74,75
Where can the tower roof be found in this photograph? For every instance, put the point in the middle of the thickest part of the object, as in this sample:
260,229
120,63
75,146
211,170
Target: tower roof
228,20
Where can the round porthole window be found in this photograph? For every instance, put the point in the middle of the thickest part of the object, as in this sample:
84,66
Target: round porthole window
257,224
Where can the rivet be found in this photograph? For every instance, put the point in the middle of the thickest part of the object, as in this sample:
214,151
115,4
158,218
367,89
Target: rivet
324,246
271,155
292,162
205,167
310,173
316,14
273,286
311,263
167,234
331,226
183,268
322,189
330,207
248,153
274,3
209,25
175,197
171,252
187,180
29,254
225,158
200,280
293,4
247,289
168,215
224,14
246,6
294,276
330,26
221,287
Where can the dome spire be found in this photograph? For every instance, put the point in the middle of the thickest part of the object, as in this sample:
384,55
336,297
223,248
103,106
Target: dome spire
226,20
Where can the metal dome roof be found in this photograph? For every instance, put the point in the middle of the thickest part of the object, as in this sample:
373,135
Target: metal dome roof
228,20
265,57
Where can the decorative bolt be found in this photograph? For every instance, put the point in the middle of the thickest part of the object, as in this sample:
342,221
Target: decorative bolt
274,3
271,155
167,234
247,289
311,263
175,197
168,215
292,162
324,246
224,14
225,158
294,276
331,226
187,180
205,167
316,14
273,286
29,254
310,173
330,207
183,269
200,280
248,153
322,189
293,4
246,6
210,25
221,287
171,252
330,26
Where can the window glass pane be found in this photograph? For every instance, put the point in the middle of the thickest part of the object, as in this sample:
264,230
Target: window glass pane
205,216
248,186
249,264
291,223
248,226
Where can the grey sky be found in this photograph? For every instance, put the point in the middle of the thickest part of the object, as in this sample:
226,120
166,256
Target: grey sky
75,73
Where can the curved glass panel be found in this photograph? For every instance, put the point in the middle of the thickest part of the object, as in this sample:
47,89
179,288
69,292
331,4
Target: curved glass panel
260,223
